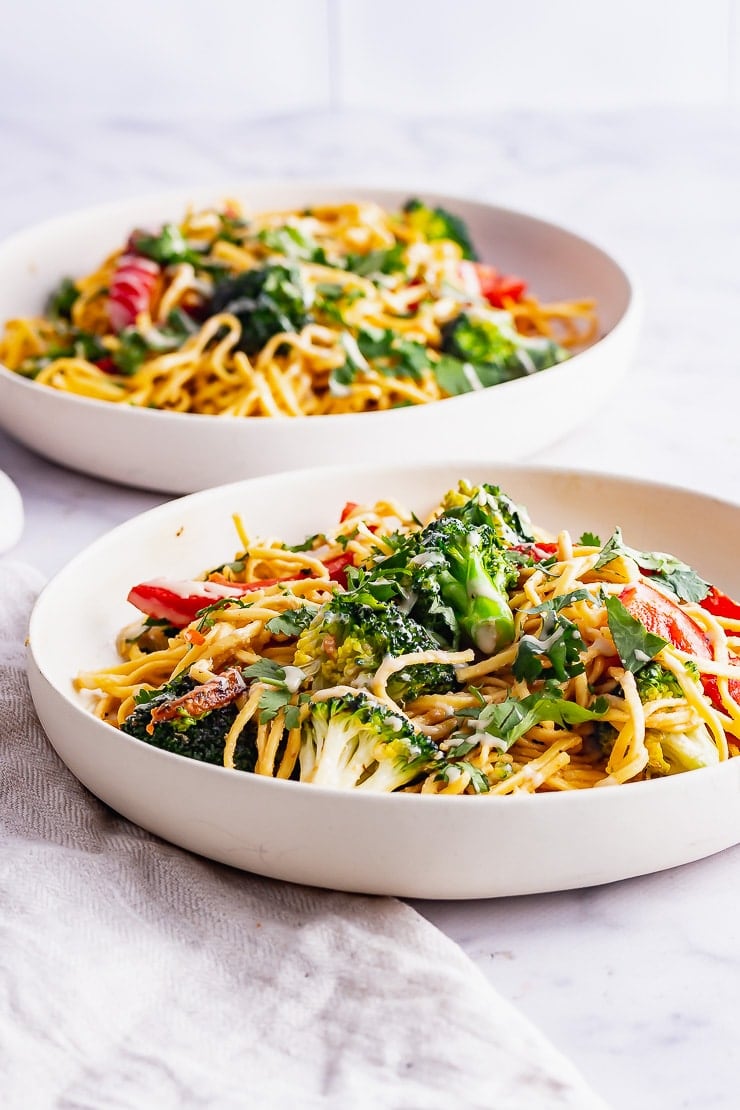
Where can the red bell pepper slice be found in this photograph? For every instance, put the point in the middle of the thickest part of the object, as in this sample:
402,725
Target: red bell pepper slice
180,602
720,605
666,619
537,551
348,509
498,288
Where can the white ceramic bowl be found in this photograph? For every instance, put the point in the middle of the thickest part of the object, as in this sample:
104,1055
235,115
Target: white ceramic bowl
183,452
405,844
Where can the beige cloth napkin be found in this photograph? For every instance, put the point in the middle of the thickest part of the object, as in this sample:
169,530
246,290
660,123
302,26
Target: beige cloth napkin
133,974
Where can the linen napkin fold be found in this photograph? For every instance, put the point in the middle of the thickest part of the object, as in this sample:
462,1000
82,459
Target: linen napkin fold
133,974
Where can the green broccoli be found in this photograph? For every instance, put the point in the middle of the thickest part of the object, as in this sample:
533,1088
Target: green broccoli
484,348
199,735
655,681
682,751
453,578
488,504
352,742
265,301
438,223
351,636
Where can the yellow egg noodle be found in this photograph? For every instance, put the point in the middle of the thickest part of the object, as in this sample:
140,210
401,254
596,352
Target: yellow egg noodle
335,309
464,654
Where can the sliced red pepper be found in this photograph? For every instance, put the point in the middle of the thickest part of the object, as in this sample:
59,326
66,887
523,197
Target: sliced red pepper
720,605
337,568
348,509
666,619
537,550
498,288
180,602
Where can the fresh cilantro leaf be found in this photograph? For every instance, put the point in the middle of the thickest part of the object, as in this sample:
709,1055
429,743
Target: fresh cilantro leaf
555,604
62,300
455,377
166,248
590,539
271,702
293,243
380,261
292,621
684,582
478,780
635,645
265,670
559,643
509,720
308,544
392,355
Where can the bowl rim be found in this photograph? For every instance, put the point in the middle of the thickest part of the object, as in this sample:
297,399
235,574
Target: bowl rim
677,782
633,306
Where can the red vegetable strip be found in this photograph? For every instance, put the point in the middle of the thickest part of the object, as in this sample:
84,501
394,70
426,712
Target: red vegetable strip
720,605
664,618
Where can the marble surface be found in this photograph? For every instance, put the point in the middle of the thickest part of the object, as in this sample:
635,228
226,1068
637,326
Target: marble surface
634,981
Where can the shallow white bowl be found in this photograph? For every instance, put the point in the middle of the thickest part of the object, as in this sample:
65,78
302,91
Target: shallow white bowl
182,452
405,844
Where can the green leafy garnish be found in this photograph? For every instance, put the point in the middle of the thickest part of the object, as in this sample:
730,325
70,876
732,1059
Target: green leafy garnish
292,621
559,643
555,604
684,582
135,345
509,720
206,613
293,243
635,645
383,261
278,695
590,539
62,300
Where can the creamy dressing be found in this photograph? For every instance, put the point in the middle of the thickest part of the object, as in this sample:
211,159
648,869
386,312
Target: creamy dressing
294,677
186,589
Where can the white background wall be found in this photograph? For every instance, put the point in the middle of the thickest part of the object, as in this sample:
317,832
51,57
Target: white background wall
250,58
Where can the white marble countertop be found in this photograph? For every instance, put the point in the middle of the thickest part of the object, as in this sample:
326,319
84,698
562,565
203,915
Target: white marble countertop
634,981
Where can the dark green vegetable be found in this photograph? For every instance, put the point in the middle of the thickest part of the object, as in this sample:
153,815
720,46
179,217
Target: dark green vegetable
200,738
265,301
62,300
453,578
438,223
488,504
351,636
350,741
655,681
167,248
482,348
388,261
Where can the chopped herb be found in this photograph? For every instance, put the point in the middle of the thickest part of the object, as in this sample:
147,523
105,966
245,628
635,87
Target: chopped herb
62,300
292,621
293,243
559,643
590,539
509,720
206,613
635,645
555,604
684,582
390,261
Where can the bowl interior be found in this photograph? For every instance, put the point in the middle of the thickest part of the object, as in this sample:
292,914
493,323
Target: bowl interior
311,834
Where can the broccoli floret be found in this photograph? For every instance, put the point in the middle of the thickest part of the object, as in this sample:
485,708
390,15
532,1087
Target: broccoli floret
265,301
354,743
199,737
488,504
488,341
351,636
655,681
681,751
438,223
453,579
